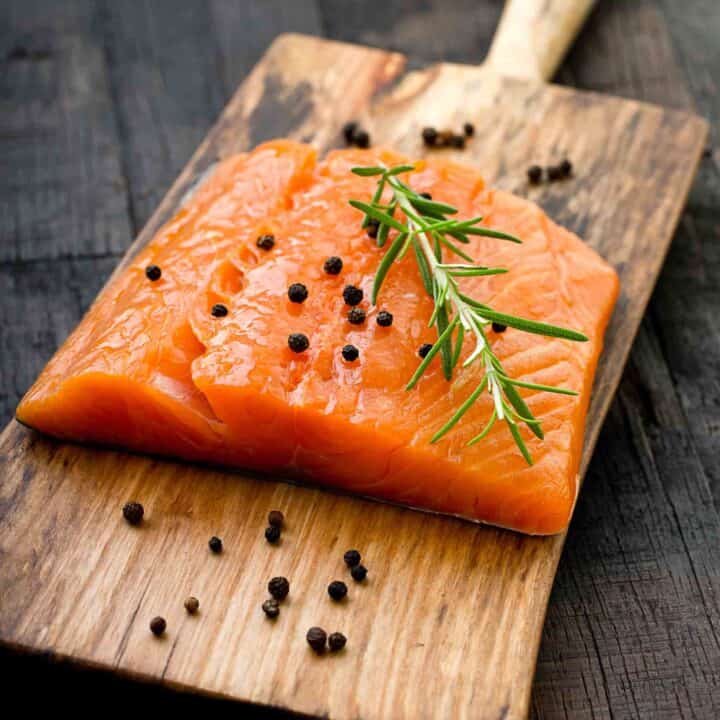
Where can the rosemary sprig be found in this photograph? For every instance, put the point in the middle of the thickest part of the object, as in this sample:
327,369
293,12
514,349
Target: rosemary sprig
428,230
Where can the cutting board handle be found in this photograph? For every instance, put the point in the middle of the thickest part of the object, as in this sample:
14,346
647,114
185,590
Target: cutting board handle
533,36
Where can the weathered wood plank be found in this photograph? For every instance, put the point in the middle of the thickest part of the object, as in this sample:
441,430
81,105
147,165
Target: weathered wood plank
149,48
631,631
627,51
685,312
62,188
687,300
431,30
173,67
245,30
695,36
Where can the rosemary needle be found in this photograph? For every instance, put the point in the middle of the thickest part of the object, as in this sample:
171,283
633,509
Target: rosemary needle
427,229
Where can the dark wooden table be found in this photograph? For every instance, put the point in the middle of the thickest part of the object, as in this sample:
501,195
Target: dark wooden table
101,104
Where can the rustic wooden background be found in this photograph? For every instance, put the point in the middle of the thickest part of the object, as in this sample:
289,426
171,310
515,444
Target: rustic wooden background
101,104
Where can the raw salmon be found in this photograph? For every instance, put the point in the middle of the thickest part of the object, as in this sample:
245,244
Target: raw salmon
151,369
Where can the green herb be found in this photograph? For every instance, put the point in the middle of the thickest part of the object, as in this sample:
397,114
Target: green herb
427,229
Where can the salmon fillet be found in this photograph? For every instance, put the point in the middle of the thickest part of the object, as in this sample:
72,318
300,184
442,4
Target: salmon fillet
152,370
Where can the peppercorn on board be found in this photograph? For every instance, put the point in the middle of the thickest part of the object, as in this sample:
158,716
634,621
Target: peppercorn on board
449,618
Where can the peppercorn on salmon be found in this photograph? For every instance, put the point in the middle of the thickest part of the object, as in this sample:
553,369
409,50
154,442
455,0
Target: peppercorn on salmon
156,367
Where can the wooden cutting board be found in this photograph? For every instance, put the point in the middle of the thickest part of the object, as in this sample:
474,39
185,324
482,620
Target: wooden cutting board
448,623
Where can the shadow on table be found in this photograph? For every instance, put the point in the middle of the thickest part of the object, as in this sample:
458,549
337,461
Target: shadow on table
35,682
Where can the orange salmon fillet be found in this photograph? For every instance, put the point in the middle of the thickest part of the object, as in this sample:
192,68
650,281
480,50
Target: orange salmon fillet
152,370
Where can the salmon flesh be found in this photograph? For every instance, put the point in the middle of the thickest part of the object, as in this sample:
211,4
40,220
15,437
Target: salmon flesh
151,369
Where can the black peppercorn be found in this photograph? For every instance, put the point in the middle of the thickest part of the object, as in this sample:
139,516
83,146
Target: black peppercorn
499,327
266,242
336,641
192,605
362,139
133,512
426,195
458,141
297,293
384,318
215,544
279,587
219,310
316,638
554,172
298,342
337,590
372,228
276,518
158,626
349,130
351,558
469,129
534,174
352,295
153,272
566,167
272,533
359,573
333,265
429,136
356,316
350,353
271,608
424,349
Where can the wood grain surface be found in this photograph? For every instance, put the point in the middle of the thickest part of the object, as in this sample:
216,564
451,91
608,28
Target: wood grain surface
468,547
450,620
